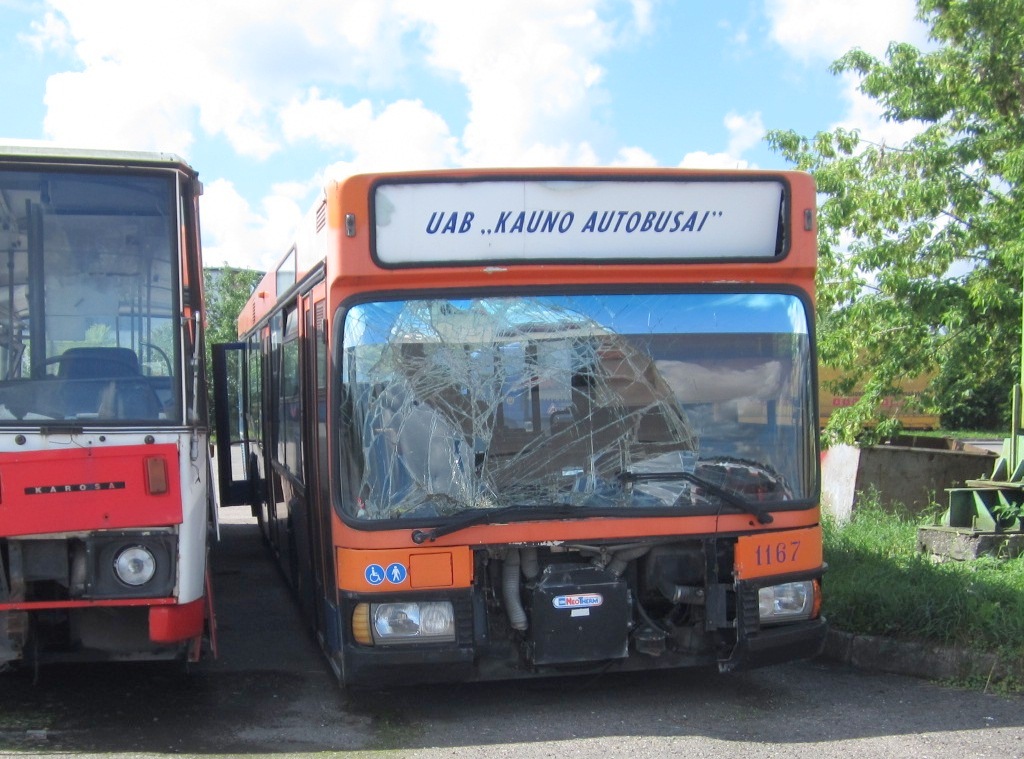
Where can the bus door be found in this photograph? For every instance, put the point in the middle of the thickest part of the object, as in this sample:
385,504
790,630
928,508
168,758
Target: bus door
321,577
285,491
300,385
237,481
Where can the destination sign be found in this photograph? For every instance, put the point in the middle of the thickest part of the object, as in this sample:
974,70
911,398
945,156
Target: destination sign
528,220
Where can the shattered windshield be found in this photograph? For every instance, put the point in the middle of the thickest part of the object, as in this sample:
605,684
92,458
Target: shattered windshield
88,298
641,401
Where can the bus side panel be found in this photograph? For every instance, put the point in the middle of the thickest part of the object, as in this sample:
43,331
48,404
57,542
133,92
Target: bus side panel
294,509
319,567
196,483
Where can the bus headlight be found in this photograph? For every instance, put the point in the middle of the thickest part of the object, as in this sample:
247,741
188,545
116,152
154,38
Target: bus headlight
135,565
790,602
422,622
127,564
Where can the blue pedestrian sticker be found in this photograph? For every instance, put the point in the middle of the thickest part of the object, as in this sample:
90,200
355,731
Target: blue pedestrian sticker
397,573
374,574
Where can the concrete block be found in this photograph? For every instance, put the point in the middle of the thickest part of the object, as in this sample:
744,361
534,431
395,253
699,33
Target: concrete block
907,477
953,544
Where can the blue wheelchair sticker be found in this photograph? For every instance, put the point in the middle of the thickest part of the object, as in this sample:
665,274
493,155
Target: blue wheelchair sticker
374,574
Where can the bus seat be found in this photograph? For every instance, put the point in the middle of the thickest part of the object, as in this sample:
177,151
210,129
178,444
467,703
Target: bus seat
136,400
106,381
94,362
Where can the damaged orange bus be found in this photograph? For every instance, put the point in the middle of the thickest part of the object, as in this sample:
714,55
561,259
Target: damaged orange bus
504,423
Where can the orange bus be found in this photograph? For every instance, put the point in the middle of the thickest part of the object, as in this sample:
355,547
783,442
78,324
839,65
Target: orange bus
505,423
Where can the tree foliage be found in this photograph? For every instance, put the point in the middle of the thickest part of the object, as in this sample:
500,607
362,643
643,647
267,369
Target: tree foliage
921,243
225,292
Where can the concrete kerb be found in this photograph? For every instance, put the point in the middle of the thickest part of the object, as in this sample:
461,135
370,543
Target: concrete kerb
880,654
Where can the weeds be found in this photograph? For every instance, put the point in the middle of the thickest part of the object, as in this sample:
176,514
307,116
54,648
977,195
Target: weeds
878,584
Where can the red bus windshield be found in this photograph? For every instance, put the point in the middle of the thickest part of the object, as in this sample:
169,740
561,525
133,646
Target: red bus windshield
89,298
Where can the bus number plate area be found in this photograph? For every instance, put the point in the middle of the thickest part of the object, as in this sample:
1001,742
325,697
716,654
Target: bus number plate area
778,553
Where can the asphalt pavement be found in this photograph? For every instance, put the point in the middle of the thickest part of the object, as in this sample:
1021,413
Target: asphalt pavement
271,692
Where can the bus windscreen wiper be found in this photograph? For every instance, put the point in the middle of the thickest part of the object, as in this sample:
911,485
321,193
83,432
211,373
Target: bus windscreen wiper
522,512
750,507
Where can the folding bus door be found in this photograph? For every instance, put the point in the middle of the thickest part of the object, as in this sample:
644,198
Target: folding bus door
236,484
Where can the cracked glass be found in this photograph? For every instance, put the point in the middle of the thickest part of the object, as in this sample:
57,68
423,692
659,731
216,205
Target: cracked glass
656,402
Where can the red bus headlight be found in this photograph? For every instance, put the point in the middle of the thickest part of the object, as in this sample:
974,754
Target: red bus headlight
135,565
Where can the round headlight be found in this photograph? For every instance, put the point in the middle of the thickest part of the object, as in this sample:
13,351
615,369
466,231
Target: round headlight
135,565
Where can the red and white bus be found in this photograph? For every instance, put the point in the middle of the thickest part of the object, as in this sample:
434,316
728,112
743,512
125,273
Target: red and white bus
104,452
504,423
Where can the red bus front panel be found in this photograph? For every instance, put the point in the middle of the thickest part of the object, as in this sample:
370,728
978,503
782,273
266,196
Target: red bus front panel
82,489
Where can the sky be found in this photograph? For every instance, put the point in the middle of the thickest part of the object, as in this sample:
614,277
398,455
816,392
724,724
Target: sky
269,99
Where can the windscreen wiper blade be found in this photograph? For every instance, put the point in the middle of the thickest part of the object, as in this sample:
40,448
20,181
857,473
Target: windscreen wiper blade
750,507
521,512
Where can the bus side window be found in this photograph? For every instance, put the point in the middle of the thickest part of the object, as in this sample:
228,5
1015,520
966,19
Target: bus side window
290,398
254,407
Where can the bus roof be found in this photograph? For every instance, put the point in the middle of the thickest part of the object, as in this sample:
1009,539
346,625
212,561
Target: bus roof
48,153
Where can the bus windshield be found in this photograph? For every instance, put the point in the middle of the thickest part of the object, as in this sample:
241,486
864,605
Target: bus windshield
88,298
660,401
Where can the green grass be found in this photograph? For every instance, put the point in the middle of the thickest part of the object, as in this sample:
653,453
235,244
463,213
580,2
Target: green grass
878,584
962,434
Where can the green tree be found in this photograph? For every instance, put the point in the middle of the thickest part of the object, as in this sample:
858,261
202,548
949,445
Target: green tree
921,243
226,291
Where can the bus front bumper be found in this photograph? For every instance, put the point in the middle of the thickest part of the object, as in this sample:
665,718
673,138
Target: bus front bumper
776,645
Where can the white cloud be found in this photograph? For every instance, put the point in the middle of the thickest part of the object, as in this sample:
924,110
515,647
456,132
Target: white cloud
865,115
236,235
634,157
702,160
211,66
404,135
49,34
816,33
93,111
745,131
529,69
273,75
326,120
642,15
820,30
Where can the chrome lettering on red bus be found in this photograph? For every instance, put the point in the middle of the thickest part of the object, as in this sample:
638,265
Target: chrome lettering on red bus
82,487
